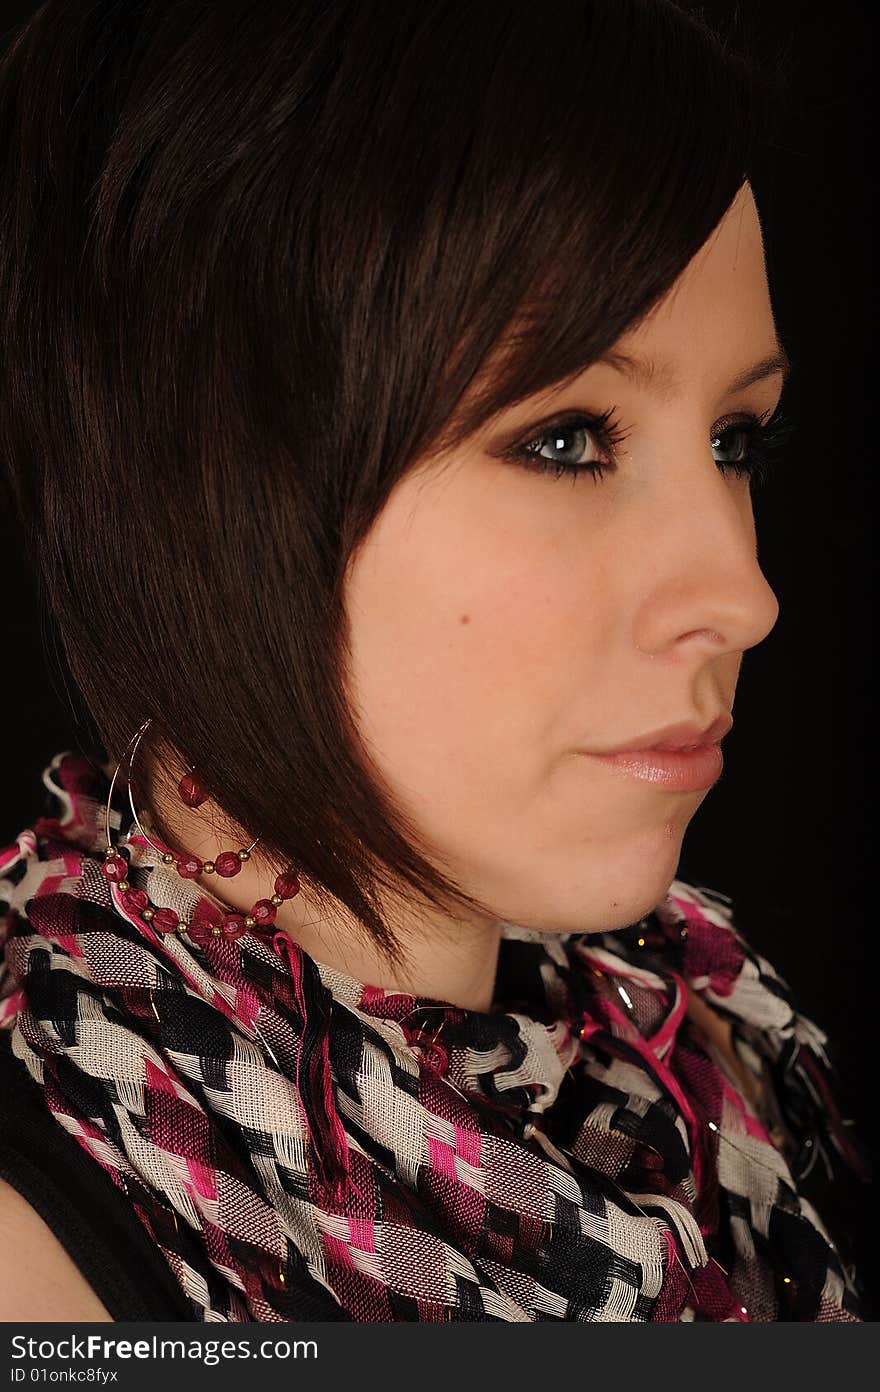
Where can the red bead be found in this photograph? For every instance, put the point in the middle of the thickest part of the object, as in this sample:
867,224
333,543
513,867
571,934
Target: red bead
165,920
264,911
287,886
135,900
227,864
189,867
116,868
191,791
201,931
206,918
233,926
436,1058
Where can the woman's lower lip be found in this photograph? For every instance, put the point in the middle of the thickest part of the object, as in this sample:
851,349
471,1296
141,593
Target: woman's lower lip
678,770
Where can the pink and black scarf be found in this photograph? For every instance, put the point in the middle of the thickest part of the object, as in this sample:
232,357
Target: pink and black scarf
300,1145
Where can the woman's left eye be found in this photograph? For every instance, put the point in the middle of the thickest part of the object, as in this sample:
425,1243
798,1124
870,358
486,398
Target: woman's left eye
761,441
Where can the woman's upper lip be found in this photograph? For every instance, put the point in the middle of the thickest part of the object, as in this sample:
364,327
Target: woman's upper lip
679,736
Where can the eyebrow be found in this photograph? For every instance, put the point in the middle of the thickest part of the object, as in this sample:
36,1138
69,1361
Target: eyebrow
662,381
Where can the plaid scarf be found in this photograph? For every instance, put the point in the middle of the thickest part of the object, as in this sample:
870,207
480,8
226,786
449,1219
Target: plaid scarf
300,1145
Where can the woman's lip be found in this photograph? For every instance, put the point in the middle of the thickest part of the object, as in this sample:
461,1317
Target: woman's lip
677,770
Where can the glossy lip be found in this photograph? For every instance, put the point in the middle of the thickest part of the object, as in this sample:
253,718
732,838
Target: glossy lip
681,758
685,735
674,770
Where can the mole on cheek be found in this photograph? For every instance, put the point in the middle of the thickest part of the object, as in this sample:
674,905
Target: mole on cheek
465,619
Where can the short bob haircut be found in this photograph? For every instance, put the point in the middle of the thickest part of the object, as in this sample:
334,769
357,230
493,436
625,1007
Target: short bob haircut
257,260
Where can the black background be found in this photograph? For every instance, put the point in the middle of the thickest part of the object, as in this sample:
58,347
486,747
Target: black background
786,831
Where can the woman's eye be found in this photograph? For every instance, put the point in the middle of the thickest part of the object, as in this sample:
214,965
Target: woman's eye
568,446
575,444
733,442
752,446
581,443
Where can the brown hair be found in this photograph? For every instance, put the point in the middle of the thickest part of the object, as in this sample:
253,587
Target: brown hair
256,261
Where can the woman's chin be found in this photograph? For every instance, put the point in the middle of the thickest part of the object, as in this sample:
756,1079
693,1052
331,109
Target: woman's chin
614,897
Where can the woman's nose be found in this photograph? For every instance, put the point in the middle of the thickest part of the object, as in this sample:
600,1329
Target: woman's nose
707,585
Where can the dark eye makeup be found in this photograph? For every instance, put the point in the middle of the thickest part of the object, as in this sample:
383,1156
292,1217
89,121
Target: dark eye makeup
751,443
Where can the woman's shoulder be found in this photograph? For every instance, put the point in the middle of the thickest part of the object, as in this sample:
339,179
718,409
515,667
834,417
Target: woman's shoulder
39,1281
79,1231
43,1223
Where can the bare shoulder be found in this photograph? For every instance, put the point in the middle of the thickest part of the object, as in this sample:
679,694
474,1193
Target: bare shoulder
39,1281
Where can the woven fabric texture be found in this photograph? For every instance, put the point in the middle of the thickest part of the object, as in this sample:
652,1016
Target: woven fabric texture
623,1136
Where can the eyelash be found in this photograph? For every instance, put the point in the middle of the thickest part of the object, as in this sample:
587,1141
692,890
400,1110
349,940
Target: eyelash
766,436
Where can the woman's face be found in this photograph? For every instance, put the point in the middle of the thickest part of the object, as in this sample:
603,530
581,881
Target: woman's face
502,620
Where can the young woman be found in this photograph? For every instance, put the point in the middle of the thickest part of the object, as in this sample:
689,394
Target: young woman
384,392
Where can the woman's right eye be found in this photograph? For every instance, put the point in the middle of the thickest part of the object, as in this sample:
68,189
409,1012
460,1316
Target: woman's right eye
570,434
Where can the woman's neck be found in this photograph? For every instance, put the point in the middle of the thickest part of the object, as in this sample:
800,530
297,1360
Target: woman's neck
446,959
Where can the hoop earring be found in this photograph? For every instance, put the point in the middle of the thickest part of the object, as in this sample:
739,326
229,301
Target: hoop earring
226,864
210,922
190,790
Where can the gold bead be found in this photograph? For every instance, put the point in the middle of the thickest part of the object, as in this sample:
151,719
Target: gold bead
208,867
122,885
167,858
276,899
215,930
248,921
147,913
244,855
109,853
